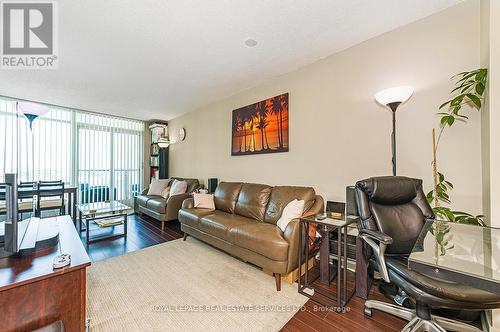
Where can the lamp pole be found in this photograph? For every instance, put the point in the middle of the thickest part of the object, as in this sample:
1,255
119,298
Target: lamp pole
393,106
392,98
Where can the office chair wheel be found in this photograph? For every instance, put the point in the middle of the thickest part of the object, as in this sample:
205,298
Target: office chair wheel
367,311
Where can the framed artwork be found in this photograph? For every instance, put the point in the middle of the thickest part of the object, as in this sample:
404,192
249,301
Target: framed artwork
261,127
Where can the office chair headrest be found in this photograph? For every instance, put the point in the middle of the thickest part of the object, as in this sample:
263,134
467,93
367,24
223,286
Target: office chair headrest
390,190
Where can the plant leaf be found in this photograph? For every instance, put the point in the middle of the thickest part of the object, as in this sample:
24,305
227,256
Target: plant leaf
475,99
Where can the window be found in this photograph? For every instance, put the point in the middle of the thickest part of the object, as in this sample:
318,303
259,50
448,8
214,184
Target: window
102,155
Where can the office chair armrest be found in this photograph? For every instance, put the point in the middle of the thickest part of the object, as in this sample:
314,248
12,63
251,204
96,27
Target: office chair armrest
378,241
376,235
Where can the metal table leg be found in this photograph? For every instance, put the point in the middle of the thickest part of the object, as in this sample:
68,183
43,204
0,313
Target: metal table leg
344,259
339,267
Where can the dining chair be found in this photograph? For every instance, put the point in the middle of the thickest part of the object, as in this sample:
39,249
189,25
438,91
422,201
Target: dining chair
51,197
25,193
3,206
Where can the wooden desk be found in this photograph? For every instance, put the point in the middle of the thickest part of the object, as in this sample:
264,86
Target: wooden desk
33,295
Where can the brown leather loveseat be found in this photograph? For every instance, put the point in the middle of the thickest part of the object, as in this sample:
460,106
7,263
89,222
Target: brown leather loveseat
244,223
164,209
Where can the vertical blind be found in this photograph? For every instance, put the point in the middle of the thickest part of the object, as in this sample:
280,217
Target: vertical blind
101,155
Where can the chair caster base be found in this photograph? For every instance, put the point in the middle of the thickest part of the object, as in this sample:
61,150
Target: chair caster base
416,323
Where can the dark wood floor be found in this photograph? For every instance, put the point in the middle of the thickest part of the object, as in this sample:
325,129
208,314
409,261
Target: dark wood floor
314,317
142,232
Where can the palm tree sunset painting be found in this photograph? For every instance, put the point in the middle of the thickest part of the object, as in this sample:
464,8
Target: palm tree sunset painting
261,127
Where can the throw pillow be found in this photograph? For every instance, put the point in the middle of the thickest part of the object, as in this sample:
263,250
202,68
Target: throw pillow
157,186
178,187
204,201
166,192
292,210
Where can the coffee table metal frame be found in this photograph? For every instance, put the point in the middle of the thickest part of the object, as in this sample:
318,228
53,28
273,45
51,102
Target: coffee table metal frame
87,218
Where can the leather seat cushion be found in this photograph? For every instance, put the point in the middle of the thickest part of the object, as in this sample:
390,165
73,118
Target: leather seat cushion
225,196
157,203
192,217
142,200
262,238
282,195
439,287
219,223
252,201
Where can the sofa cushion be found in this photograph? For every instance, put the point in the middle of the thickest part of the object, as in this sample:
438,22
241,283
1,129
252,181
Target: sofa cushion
157,186
219,223
204,201
282,195
192,217
192,184
142,200
262,238
252,201
157,203
225,196
178,187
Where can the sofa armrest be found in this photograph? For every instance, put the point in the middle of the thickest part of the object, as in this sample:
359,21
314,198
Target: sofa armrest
317,207
174,204
188,203
291,234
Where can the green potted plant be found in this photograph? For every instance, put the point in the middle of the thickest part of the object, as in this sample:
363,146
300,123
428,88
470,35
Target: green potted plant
468,91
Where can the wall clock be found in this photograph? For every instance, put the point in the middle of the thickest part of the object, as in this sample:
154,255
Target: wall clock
182,134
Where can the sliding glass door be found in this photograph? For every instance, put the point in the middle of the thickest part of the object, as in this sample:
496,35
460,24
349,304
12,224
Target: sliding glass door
94,164
109,159
101,155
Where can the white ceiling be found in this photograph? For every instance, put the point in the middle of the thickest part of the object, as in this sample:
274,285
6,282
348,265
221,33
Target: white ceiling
157,59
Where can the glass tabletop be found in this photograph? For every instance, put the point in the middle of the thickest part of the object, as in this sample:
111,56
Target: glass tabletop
102,207
332,219
468,250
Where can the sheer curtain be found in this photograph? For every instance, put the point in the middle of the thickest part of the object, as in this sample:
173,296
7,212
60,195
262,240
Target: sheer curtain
99,154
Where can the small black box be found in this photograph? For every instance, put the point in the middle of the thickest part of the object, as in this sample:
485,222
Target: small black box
212,185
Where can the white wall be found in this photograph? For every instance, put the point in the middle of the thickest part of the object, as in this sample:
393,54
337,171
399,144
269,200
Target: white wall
490,57
338,134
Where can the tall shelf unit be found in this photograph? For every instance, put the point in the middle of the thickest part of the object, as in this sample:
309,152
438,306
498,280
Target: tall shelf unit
158,158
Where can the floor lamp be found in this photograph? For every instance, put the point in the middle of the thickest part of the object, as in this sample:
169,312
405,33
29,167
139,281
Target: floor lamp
32,111
392,98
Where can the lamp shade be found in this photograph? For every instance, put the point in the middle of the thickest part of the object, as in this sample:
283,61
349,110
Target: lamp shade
32,110
398,94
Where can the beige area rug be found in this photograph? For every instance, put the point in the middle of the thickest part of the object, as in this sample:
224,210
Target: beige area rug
185,286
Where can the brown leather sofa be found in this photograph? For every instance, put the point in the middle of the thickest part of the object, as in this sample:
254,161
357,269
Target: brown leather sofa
244,223
164,209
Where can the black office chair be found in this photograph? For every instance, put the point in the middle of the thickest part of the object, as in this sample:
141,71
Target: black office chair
392,212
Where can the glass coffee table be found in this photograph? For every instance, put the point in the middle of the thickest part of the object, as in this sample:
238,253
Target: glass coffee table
103,219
